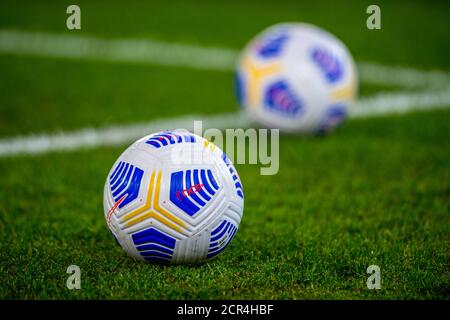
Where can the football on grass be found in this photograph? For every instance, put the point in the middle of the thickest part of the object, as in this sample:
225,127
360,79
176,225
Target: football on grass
296,77
173,197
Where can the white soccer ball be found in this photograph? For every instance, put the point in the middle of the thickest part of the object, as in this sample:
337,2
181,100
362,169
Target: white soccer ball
173,197
296,77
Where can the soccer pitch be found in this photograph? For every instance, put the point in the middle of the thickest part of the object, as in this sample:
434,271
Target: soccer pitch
375,192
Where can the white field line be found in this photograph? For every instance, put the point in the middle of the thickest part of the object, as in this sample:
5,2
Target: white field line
111,135
181,55
154,52
374,73
116,50
382,104
401,102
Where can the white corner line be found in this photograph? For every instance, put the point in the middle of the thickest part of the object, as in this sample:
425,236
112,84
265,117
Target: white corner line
147,51
88,138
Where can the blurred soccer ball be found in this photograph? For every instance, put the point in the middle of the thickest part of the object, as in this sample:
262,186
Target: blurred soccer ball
296,77
173,197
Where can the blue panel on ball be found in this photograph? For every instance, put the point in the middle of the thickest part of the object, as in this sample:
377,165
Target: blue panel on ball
333,117
197,181
178,194
190,185
168,138
118,188
221,236
219,228
121,172
154,245
116,172
271,46
238,185
190,194
279,98
212,180
329,65
125,182
152,235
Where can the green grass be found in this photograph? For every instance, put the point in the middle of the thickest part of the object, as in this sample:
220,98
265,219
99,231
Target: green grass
377,191
79,94
49,95
231,23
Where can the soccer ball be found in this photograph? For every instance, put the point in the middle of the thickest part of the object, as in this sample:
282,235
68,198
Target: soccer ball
173,197
296,77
